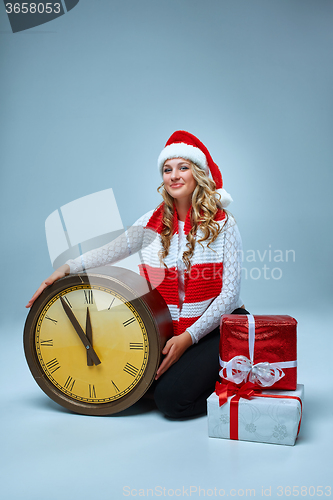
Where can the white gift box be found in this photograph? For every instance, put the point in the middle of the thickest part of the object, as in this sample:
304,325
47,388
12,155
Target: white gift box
263,419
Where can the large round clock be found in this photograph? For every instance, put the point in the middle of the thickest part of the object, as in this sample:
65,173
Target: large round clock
93,341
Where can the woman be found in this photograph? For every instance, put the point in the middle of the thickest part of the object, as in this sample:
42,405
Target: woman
191,251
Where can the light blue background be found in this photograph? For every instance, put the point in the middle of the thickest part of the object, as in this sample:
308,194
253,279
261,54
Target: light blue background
88,102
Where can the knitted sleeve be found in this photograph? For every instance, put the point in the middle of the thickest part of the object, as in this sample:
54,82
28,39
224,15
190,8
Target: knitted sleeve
126,244
228,300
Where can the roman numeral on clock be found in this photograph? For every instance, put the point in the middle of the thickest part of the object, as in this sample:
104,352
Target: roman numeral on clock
129,321
138,346
88,296
54,321
112,301
92,391
69,384
66,299
53,365
130,369
47,343
114,385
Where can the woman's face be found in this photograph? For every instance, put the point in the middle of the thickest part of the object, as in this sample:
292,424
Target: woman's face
178,178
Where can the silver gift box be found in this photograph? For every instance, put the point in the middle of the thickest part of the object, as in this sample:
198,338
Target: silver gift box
262,419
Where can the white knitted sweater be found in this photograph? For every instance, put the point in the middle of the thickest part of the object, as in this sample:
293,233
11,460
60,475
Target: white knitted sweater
227,245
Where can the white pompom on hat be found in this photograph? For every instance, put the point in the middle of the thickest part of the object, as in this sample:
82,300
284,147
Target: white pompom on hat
182,144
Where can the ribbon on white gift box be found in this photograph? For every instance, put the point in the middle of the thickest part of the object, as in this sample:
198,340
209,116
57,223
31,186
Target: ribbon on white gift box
241,369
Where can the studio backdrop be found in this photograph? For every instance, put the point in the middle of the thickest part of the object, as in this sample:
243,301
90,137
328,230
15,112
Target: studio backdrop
91,91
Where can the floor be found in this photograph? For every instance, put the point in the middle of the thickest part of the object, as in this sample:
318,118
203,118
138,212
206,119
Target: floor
50,453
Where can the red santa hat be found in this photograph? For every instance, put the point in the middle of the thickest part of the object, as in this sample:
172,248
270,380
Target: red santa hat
182,144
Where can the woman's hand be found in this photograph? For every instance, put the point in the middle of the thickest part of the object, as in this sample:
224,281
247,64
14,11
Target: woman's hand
58,273
173,349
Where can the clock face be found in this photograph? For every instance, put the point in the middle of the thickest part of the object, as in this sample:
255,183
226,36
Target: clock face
119,338
93,342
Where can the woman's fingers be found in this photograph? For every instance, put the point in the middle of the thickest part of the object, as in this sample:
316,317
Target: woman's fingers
38,292
167,347
59,273
169,360
173,350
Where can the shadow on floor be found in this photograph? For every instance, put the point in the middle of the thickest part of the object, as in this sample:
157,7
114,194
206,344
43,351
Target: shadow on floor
142,406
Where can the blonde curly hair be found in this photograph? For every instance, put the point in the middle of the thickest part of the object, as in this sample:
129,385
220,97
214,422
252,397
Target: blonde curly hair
205,204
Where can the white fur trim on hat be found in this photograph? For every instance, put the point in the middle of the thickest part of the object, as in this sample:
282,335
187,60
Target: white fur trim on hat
182,150
225,197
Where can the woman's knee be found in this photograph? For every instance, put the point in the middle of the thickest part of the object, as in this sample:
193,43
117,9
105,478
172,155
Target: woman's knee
168,400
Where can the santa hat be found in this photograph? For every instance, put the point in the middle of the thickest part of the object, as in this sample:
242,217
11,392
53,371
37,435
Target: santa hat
182,144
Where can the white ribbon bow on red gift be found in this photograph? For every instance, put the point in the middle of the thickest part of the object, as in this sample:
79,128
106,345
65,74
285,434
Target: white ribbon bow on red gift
241,369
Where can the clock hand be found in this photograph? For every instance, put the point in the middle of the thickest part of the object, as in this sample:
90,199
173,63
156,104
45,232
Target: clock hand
89,336
86,342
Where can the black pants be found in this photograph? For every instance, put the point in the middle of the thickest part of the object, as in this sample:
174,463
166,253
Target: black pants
181,392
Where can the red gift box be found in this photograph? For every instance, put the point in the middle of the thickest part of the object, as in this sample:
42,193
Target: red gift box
259,349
